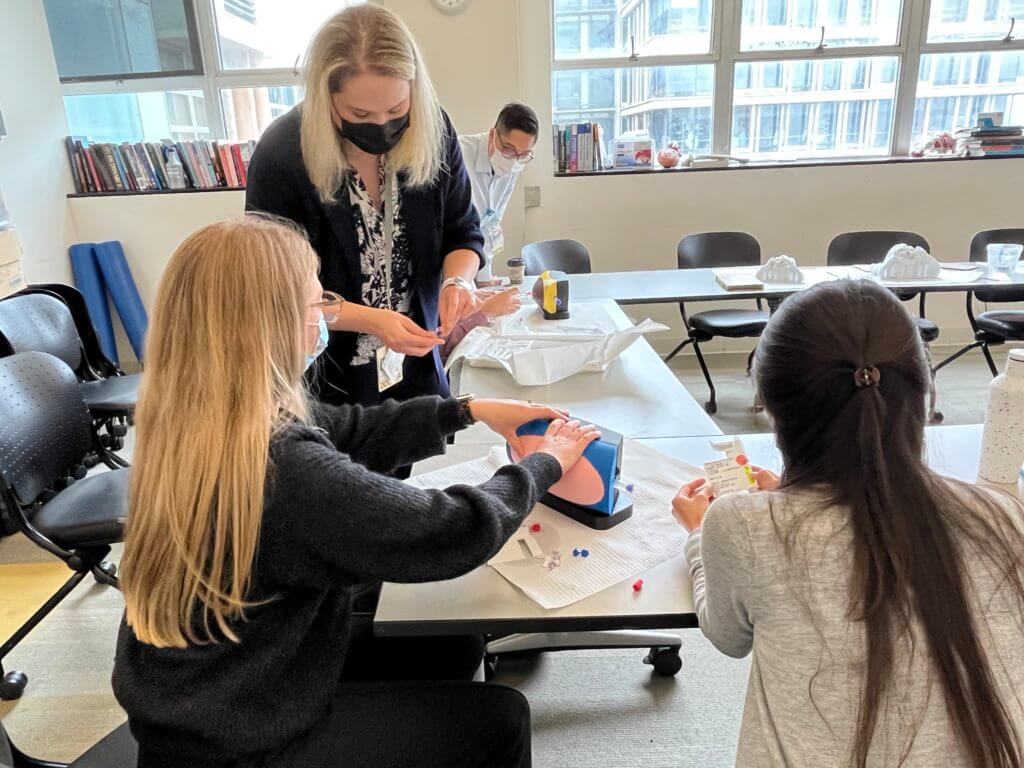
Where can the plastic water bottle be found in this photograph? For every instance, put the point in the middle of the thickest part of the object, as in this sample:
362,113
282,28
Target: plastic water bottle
1002,444
175,173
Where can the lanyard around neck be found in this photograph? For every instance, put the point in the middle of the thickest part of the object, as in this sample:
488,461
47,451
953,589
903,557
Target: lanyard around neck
389,231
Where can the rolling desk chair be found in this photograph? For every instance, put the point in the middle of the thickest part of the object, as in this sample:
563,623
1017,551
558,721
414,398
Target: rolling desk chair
43,484
870,247
996,326
116,750
569,256
718,249
39,319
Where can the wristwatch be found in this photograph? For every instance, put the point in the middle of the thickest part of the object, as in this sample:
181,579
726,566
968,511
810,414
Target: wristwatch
459,281
464,410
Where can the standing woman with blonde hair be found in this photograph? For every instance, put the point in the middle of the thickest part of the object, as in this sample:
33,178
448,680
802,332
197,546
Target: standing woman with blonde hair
255,518
369,165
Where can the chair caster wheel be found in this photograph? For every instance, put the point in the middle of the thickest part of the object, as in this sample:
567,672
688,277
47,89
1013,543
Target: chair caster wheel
937,417
490,668
13,686
107,568
666,661
711,406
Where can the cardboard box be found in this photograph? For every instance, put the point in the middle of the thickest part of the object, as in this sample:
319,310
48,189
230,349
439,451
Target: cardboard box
11,278
637,153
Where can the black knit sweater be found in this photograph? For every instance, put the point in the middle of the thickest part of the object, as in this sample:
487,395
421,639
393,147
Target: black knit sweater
331,525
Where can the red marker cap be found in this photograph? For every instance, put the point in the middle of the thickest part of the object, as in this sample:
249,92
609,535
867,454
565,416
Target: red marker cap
534,528
638,585
742,460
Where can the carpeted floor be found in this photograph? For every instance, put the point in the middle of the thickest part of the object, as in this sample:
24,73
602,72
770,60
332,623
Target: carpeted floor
591,709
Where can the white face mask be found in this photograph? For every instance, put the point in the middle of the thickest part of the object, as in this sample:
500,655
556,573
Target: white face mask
502,165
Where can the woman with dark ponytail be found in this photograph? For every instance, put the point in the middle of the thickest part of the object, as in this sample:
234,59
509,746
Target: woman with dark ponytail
884,604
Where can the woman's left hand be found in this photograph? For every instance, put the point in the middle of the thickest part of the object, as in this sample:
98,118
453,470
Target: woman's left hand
692,502
456,302
506,416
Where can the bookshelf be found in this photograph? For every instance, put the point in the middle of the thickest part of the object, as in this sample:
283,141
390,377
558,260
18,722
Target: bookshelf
137,193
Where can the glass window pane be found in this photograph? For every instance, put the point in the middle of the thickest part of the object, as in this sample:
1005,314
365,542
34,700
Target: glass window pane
953,88
248,111
958,20
815,112
115,38
595,28
671,105
154,116
778,24
267,34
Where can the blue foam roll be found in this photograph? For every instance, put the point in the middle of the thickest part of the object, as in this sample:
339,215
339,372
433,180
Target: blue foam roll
89,281
121,286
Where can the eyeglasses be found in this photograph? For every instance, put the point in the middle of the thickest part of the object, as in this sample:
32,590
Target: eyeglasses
329,305
511,153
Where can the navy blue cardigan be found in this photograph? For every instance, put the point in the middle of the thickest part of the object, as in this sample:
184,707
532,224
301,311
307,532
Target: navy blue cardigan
440,218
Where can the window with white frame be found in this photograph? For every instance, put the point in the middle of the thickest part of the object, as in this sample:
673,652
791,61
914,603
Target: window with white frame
786,79
147,70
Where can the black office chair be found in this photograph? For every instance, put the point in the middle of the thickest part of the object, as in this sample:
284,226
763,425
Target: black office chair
39,319
47,433
117,750
870,247
569,256
997,326
718,249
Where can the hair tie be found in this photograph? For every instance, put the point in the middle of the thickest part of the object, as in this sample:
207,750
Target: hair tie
868,376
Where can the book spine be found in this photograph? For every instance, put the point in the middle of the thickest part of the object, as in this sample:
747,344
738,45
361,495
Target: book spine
132,164
99,167
111,162
124,168
186,164
574,159
90,167
211,164
241,164
158,159
554,148
76,171
202,181
161,182
83,167
227,161
147,166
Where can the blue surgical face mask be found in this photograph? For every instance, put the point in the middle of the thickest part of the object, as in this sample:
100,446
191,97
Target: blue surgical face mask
321,343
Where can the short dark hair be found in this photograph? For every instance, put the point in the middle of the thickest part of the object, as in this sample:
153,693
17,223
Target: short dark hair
517,117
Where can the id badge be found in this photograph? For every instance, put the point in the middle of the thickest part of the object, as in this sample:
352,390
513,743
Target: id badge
497,241
389,368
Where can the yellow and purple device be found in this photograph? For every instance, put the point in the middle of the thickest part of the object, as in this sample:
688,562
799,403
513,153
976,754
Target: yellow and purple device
551,292
588,492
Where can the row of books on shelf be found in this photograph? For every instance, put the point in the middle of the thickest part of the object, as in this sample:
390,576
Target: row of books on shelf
145,166
994,141
578,147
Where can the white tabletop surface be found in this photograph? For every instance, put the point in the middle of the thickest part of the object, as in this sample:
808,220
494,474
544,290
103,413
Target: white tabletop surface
674,285
484,602
637,395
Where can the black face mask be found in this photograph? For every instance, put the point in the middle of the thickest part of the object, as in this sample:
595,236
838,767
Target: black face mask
375,138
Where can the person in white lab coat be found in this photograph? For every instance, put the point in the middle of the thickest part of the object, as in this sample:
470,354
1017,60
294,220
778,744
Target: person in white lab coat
494,160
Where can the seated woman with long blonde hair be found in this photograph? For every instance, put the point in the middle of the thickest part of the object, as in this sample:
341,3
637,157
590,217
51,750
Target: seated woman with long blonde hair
256,519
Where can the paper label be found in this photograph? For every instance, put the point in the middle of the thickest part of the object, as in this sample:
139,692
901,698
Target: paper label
726,476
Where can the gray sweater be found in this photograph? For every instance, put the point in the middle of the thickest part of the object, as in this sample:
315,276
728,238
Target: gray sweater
805,676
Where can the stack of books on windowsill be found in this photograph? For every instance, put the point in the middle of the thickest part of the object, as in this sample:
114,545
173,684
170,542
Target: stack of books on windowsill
577,147
997,141
142,166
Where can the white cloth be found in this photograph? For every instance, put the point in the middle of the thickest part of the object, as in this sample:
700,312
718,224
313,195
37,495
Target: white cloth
491,193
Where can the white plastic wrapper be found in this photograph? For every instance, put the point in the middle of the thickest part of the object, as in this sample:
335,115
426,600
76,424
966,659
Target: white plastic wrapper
780,269
905,262
537,351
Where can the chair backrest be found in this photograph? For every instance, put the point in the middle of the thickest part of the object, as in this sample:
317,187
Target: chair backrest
38,322
47,429
979,252
75,302
569,256
718,249
868,247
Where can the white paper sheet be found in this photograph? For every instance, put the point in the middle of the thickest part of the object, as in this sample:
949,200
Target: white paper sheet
648,538
537,351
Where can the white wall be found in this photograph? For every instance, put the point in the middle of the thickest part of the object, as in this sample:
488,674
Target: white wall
34,172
